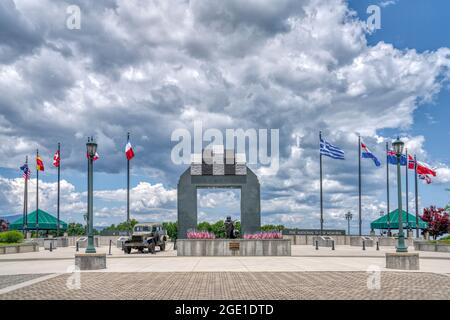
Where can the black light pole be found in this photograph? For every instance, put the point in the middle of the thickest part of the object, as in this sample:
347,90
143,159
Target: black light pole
321,192
398,147
359,185
25,198
37,196
387,189
407,191
128,185
381,214
91,147
416,196
348,217
59,178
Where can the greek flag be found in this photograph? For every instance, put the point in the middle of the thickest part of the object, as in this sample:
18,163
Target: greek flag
327,149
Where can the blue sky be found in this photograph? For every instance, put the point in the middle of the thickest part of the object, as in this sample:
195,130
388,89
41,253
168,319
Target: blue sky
419,25
299,66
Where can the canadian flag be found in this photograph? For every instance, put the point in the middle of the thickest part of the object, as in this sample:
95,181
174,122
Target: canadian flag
95,157
129,151
56,159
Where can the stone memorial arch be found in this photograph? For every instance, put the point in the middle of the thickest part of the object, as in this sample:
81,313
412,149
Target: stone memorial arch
215,168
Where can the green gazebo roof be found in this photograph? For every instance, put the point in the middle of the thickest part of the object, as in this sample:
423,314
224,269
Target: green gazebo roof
45,219
382,222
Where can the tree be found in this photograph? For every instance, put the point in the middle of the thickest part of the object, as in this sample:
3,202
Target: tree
204,226
172,229
76,229
438,221
448,205
218,228
3,225
272,227
122,227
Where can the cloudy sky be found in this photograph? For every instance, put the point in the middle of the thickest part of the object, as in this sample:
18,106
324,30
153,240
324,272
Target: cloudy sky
151,67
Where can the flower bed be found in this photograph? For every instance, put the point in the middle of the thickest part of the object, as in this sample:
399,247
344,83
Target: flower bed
264,235
233,247
200,235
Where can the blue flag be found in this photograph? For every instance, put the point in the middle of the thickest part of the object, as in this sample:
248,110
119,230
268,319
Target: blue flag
327,149
366,153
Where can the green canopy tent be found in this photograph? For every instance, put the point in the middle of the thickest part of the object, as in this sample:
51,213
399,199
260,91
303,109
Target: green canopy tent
46,222
382,222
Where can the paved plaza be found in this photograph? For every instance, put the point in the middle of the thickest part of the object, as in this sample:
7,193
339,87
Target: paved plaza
345,273
238,285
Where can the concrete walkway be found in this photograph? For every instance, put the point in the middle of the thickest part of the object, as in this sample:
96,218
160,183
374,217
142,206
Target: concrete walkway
305,258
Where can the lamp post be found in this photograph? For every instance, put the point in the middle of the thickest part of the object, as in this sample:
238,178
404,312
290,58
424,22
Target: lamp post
91,147
348,217
398,148
381,214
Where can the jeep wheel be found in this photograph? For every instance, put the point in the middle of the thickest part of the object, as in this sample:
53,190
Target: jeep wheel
127,250
151,248
162,246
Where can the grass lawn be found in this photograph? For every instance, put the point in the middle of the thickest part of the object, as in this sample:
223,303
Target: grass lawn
3,244
446,241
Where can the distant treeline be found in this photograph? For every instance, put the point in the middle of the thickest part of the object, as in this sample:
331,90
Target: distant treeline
218,228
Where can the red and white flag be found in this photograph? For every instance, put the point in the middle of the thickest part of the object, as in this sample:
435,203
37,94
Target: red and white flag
129,153
56,159
425,177
95,157
422,167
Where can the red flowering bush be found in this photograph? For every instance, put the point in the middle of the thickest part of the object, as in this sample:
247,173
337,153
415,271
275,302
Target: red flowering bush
438,221
200,235
264,235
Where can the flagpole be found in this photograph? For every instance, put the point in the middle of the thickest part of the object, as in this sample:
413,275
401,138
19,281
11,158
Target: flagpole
25,206
407,202
37,195
417,196
59,177
321,193
128,183
359,183
387,188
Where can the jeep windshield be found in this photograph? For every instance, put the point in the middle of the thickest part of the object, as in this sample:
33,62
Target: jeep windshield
144,229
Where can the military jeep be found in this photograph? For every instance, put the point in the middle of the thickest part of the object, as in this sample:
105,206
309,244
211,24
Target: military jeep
146,236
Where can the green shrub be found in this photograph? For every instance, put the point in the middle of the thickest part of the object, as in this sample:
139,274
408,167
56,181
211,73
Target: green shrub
13,236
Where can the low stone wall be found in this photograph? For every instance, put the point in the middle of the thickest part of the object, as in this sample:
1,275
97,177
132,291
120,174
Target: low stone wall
324,241
233,247
428,246
345,240
102,240
90,261
309,239
19,248
358,241
402,261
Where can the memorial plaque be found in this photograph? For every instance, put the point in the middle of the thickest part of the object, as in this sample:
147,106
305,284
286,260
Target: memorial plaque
234,245
313,232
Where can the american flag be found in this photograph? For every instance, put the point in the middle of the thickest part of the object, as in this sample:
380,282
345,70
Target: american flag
26,171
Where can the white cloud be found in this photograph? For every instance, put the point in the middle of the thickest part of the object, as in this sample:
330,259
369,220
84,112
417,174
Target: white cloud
152,67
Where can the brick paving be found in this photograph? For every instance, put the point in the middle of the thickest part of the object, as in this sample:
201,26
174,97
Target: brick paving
239,285
11,280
